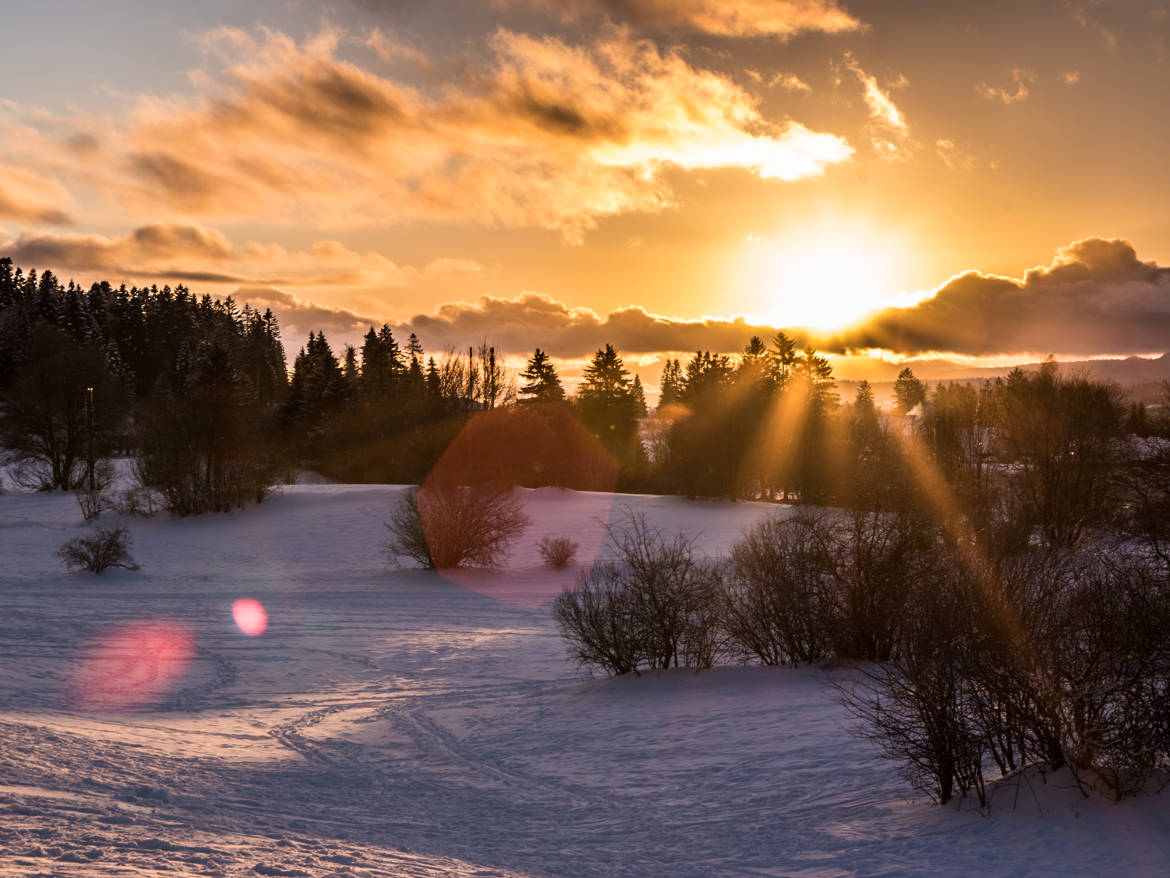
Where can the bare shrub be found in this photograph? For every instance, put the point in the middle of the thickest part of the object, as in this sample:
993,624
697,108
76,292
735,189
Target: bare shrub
557,552
1110,672
91,489
1039,657
599,621
917,707
779,604
90,502
107,547
139,502
654,606
441,526
880,558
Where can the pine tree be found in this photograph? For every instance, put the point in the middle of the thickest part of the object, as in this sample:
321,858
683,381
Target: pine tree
606,405
415,379
542,384
671,384
908,391
706,373
639,397
781,360
754,360
351,374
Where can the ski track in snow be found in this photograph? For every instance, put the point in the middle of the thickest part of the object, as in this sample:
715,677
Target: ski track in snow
397,723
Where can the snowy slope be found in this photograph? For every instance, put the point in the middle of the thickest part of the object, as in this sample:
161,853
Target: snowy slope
394,722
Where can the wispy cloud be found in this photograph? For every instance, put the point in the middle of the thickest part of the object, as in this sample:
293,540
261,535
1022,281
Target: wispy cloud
789,82
953,155
727,18
1021,79
30,198
888,129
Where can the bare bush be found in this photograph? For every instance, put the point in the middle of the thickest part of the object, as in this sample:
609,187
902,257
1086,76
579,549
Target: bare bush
139,502
655,606
880,557
108,547
557,552
90,503
779,604
91,489
917,707
1039,657
441,526
599,621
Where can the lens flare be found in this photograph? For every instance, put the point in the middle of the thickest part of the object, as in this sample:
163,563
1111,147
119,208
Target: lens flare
250,616
534,446
132,666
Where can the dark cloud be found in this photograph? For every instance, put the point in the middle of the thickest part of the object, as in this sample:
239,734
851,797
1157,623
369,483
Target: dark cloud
1096,298
12,209
298,318
138,248
180,252
517,324
183,182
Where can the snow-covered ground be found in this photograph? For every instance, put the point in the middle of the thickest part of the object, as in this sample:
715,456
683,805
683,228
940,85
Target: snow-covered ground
399,723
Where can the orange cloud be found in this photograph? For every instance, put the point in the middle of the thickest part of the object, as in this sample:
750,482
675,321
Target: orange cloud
29,198
727,18
888,129
545,135
188,253
516,324
1021,78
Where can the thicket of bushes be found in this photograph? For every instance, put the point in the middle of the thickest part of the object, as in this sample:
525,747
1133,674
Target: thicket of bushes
968,660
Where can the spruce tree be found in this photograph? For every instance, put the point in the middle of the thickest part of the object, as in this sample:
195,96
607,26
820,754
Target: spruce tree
606,404
908,391
541,382
671,384
639,397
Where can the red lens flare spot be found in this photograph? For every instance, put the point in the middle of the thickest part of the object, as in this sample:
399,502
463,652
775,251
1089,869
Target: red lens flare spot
132,666
250,616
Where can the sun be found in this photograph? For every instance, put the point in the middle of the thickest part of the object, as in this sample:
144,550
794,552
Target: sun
822,278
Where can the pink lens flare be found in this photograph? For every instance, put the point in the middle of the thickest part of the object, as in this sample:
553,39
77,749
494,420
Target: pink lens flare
132,666
250,616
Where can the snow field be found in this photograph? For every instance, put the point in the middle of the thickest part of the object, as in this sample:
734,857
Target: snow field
400,723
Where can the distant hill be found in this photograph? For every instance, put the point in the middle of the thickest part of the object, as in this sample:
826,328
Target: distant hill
1127,370
1141,377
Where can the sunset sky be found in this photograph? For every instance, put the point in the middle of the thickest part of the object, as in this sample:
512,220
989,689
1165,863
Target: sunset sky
661,174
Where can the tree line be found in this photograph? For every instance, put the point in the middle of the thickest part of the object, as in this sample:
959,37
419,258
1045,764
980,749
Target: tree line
200,391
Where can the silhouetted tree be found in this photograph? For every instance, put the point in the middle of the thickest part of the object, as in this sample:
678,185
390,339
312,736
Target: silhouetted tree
639,397
1059,433
909,392
541,382
61,409
606,405
671,384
